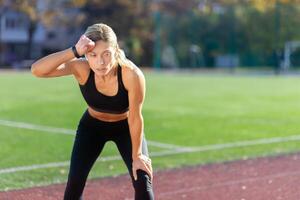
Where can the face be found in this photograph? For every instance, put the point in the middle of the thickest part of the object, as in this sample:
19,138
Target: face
101,58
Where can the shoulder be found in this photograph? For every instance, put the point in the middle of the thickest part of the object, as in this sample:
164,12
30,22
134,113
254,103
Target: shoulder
78,63
80,69
132,76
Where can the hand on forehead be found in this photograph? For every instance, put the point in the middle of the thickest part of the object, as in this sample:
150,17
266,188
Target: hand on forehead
101,47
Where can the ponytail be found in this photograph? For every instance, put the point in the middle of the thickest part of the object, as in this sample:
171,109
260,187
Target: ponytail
121,58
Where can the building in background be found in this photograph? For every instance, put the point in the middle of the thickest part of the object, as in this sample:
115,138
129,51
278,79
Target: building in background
14,35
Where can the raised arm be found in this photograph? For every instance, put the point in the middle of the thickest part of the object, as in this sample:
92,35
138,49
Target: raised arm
61,63
53,65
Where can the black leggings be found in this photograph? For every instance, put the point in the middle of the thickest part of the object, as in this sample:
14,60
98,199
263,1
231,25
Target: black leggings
91,136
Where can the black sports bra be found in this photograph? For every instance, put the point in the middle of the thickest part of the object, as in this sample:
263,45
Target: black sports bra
116,104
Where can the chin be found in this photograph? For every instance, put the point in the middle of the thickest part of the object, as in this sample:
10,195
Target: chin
102,72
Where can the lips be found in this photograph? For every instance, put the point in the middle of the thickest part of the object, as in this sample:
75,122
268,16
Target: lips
101,70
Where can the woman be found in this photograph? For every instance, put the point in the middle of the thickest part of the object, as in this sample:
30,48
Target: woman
114,89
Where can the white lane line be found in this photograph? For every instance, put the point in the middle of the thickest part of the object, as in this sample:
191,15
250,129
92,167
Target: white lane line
35,127
215,147
165,153
55,130
51,165
164,145
32,167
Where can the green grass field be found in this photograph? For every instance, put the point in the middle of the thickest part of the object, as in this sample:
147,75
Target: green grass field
189,110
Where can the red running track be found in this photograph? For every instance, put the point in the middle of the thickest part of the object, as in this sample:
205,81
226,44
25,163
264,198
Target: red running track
271,178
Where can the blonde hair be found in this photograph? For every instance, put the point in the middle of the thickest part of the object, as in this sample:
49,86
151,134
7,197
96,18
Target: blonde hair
105,33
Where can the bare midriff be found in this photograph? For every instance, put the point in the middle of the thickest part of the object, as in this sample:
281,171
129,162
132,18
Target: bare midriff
107,117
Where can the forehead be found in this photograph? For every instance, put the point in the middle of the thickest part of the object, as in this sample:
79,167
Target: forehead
101,46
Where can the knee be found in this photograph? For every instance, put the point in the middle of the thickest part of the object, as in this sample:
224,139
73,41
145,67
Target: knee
143,186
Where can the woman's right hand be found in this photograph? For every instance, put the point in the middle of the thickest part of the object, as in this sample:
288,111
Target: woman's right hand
58,64
84,45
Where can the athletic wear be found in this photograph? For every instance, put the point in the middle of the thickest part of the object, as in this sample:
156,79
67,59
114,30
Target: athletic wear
91,136
102,103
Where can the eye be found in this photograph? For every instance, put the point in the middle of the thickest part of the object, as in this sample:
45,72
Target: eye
106,54
92,55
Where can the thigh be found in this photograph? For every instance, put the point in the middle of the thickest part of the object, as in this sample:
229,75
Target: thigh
124,146
143,185
86,149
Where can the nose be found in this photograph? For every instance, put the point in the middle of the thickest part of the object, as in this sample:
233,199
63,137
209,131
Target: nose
100,61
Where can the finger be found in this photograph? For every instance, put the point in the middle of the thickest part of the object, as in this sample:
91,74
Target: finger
134,173
151,172
148,170
147,159
151,177
90,45
150,167
149,164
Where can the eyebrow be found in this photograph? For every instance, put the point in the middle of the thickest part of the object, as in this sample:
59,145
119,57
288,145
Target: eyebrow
101,53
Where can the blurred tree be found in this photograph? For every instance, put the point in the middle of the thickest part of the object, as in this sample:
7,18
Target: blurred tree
254,29
266,32
251,28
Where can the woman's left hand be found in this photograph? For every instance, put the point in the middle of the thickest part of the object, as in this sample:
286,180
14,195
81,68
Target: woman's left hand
144,163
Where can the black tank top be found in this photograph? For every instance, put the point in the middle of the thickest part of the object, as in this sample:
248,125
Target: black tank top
100,102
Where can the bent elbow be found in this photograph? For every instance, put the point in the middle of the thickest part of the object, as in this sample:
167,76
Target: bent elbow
35,70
